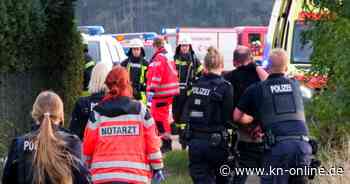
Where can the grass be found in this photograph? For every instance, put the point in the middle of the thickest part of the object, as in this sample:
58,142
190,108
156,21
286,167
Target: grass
176,164
335,158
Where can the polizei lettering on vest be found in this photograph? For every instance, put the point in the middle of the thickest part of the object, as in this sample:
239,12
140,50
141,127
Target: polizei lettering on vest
200,91
120,130
281,88
28,146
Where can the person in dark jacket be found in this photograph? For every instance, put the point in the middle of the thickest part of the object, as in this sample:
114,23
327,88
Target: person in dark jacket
89,65
277,103
209,110
136,64
48,154
189,68
84,105
246,73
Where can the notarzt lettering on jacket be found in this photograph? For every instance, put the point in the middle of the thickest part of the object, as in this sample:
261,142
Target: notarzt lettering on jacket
120,130
201,91
282,88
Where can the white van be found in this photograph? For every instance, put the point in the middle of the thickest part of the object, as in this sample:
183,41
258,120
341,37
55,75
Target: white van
104,48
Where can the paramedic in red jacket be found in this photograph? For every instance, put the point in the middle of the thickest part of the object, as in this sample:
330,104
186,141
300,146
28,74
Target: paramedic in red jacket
162,86
120,143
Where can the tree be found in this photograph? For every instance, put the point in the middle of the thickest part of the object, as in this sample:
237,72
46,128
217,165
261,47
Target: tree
331,39
62,51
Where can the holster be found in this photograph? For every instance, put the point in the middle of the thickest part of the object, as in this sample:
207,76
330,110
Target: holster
315,163
269,140
215,139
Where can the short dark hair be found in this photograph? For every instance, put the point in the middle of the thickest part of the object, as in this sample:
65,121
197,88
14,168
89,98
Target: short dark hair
158,42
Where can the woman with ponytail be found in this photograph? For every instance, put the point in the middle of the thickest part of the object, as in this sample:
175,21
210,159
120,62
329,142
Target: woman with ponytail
209,110
48,154
120,141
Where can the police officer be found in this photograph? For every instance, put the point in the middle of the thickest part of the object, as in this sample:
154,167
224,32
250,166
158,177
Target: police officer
209,107
84,105
49,153
137,68
278,104
189,69
250,144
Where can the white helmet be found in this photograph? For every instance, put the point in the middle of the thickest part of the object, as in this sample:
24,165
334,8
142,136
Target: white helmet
184,40
136,43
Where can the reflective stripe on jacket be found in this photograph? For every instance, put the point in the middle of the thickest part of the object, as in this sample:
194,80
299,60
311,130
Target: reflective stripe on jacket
122,148
162,77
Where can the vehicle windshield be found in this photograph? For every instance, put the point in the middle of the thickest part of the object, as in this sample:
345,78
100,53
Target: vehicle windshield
302,49
94,51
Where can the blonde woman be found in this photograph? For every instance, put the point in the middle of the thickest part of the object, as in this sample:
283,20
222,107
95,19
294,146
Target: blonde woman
209,110
48,154
84,105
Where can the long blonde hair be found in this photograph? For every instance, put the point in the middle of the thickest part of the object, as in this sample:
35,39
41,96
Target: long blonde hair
51,158
98,77
213,59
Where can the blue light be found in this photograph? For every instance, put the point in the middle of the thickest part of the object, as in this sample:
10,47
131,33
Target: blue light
265,64
163,31
149,36
92,30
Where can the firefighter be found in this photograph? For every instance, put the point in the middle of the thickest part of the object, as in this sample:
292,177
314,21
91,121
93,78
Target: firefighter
250,144
189,68
137,68
49,153
162,86
84,105
209,109
120,143
278,104
89,65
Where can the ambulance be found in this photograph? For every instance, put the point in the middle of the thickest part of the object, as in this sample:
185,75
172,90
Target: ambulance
287,25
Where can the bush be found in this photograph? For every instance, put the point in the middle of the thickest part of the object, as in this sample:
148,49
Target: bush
331,109
41,35
63,52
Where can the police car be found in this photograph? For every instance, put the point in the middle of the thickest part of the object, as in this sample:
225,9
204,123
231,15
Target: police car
102,48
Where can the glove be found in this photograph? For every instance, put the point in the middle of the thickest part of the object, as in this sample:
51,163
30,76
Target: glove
149,98
158,176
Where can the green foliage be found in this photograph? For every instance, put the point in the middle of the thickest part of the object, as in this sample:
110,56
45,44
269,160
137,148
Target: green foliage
63,51
22,25
41,35
5,140
331,109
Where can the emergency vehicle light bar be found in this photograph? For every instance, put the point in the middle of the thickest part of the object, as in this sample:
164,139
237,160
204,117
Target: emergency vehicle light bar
91,30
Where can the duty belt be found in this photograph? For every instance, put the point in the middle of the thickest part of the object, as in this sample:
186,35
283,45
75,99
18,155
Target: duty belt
293,137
